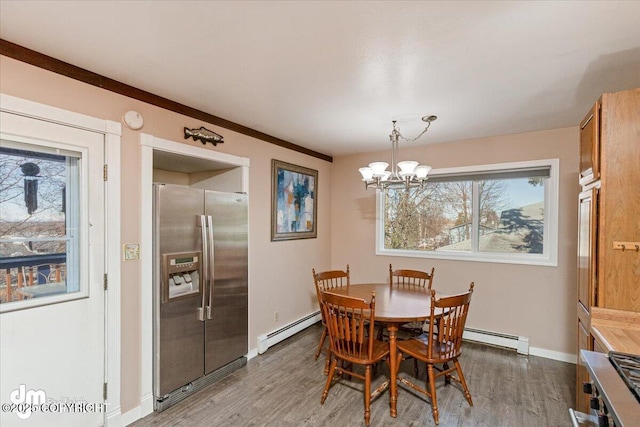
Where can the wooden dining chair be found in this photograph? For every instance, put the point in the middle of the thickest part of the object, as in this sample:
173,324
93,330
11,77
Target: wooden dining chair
352,341
404,278
448,315
410,278
327,280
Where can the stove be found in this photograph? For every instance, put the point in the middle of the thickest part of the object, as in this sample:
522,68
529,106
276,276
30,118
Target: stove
615,401
628,366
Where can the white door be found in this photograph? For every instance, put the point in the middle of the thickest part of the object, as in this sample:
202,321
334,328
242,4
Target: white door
52,311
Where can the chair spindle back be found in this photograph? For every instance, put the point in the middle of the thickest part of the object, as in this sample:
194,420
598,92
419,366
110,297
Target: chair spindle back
404,278
446,324
327,280
350,322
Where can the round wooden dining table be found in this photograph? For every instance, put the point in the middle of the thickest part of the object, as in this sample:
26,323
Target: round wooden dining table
394,306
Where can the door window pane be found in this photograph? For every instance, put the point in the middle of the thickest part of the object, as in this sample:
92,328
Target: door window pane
39,222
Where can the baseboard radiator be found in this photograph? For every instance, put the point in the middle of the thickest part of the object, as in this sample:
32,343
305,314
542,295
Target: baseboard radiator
520,344
272,338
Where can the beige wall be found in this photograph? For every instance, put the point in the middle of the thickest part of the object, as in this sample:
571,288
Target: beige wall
531,301
280,272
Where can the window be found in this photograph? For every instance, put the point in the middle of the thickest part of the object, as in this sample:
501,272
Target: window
496,213
40,222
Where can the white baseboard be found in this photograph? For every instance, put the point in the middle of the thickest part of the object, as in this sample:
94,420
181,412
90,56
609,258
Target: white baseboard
145,408
146,405
114,418
130,417
554,355
252,353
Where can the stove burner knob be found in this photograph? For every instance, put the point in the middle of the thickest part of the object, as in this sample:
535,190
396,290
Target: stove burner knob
603,420
594,403
587,387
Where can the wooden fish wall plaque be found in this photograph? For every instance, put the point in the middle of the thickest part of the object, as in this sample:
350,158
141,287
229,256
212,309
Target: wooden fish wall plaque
203,135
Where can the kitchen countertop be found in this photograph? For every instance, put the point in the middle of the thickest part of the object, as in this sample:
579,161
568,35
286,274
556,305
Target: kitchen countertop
617,330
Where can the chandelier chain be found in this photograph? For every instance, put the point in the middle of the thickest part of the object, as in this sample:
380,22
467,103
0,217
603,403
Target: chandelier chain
417,137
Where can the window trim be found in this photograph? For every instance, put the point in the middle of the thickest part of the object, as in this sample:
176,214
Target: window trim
549,257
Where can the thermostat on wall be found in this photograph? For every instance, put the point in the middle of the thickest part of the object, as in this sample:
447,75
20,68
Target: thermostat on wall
133,120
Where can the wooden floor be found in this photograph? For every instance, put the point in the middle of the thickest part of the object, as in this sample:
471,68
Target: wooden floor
283,388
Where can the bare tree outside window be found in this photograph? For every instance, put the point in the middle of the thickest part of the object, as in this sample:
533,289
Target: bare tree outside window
439,216
47,219
34,240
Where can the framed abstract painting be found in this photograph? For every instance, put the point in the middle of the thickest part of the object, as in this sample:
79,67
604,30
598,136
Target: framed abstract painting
294,203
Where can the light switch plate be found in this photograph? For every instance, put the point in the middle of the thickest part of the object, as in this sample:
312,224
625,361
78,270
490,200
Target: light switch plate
131,251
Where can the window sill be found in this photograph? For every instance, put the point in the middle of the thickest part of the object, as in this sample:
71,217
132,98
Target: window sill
524,259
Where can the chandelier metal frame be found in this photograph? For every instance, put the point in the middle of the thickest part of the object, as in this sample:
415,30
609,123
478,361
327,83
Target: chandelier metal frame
405,174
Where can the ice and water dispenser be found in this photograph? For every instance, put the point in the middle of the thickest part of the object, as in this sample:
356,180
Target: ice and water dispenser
180,274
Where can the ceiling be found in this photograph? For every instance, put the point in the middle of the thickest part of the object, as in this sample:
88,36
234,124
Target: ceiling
331,76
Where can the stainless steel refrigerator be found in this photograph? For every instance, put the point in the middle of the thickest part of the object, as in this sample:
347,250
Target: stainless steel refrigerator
200,289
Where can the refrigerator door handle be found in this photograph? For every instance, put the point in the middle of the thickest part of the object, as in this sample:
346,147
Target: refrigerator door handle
205,267
210,263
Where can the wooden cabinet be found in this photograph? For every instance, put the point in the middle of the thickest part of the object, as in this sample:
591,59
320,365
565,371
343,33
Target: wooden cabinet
609,215
618,271
585,342
590,146
587,219
599,347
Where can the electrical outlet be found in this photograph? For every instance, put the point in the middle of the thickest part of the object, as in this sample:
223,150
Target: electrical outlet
276,316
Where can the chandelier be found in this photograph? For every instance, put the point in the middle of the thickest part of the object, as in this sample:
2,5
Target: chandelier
405,174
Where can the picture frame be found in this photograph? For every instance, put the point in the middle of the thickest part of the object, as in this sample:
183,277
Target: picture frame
294,203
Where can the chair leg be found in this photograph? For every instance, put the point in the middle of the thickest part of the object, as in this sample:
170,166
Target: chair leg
327,361
463,382
447,377
432,389
367,394
327,386
322,338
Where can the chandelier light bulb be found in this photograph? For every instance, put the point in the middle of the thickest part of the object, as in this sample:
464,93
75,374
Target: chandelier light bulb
367,173
378,168
407,167
422,171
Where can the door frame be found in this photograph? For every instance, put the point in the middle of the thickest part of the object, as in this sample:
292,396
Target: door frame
148,144
112,132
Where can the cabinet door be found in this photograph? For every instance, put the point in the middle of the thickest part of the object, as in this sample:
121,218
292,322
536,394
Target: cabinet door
587,216
590,146
582,376
619,202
